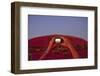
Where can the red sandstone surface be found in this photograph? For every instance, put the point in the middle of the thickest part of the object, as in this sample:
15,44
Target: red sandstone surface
38,46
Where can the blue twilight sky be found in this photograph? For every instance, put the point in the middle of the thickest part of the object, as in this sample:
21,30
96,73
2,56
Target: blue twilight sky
40,25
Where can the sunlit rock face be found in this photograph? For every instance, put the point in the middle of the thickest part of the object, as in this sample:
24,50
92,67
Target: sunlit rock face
37,47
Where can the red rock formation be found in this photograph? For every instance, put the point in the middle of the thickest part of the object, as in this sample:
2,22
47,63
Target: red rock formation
45,48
